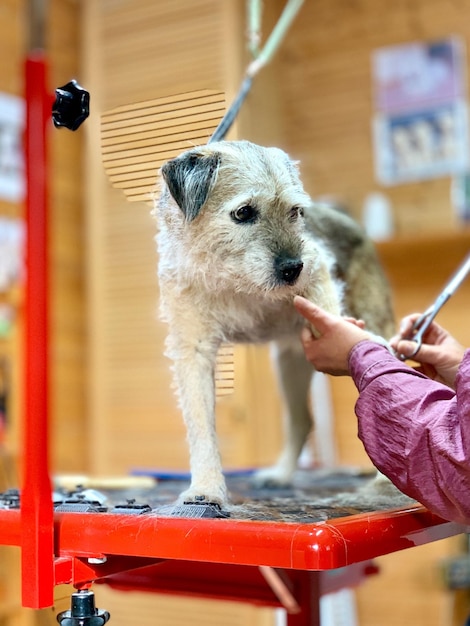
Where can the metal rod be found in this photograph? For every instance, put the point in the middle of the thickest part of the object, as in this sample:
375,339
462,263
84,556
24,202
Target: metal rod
36,24
276,37
254,26
263,58
230,116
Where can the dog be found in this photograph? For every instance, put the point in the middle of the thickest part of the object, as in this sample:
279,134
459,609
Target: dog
238,237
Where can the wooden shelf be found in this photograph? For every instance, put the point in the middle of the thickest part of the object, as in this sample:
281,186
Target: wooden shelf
423,261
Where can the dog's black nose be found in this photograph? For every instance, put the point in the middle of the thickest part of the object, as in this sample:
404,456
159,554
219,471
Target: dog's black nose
288,269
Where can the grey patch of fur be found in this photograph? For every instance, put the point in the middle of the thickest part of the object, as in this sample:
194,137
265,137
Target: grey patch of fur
189,179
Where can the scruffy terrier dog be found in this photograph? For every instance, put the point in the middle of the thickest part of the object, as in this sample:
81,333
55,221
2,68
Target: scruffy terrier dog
238,239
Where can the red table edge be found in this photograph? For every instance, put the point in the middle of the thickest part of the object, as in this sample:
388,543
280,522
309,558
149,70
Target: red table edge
305,546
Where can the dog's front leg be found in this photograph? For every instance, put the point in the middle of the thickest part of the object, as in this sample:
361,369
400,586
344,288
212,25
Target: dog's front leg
194,356
294,374
324,292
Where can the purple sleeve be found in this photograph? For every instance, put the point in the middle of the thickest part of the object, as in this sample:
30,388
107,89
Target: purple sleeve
415,430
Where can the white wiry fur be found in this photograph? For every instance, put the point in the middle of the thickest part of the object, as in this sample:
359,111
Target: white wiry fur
238,238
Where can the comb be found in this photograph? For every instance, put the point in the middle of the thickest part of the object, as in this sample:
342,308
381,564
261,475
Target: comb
136,139
224,371
193,509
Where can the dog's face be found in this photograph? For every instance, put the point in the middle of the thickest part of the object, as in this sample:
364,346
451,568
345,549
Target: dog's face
239,217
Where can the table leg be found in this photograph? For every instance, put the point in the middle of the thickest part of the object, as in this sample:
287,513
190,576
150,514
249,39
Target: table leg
307,593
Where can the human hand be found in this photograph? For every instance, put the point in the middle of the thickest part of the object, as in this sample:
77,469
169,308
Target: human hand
440,354
328,345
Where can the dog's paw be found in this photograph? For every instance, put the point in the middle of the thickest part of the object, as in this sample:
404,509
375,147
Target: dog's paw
271,477
197,495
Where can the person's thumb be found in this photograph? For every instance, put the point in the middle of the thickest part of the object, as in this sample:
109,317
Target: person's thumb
425,354
319,318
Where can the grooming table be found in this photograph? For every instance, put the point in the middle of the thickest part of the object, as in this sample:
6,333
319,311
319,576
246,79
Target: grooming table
278,547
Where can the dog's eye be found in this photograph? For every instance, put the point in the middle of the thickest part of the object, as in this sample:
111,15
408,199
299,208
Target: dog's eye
245,213
295,212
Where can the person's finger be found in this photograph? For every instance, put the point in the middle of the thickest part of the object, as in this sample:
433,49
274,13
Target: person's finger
406,325
406,348
306,336
405,332
352,320
425,354
319,318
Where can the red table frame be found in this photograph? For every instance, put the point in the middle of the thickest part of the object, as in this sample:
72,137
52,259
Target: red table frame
263,562
268,563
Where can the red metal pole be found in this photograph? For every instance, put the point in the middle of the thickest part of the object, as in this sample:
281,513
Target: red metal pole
36,499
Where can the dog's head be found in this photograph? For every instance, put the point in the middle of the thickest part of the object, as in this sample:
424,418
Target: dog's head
240,214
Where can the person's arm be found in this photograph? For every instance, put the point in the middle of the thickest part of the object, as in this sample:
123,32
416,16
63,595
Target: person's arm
415,430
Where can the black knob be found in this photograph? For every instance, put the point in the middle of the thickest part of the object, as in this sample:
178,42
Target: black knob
83,611
71,106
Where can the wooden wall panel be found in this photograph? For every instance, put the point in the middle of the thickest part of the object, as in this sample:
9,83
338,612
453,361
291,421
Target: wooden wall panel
11,82
134,53
66,243
161,610
68,407
153,49
325,69
12,48
68,436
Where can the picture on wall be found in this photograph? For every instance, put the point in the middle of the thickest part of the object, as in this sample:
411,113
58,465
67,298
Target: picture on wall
422,144
420,126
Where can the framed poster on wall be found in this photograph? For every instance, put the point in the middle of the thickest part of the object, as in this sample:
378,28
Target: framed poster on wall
420,127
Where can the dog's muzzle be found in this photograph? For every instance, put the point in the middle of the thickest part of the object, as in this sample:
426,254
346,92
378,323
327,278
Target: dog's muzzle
287,269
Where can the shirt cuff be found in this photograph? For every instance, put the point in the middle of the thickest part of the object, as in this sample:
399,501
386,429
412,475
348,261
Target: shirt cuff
367,358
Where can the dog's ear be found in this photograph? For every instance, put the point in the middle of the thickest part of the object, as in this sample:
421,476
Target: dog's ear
190,178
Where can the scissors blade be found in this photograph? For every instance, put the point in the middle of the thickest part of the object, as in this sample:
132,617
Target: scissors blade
459,276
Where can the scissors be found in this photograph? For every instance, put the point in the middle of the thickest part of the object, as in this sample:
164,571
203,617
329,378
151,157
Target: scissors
425,320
